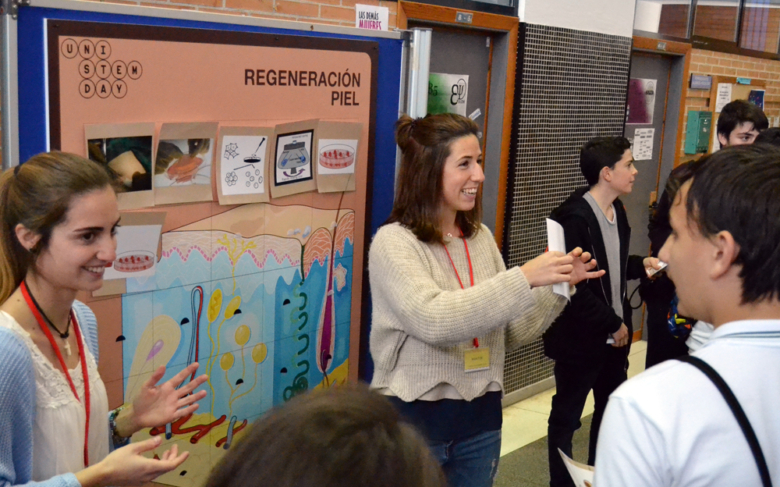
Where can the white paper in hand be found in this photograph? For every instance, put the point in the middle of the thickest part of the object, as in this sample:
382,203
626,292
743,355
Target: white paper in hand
581,474
556,241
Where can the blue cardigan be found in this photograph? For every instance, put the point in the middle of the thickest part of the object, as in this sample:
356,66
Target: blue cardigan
17,405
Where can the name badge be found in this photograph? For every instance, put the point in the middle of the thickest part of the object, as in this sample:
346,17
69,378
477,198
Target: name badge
477,359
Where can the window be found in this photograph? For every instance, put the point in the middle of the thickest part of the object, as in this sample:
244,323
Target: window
716,19
747,27
667,17
760,25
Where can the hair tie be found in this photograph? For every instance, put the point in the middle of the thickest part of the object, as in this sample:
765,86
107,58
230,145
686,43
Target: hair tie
16,169
414,126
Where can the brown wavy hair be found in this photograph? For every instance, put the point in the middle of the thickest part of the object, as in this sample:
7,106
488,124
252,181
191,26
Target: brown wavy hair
425,144
37,194
344,436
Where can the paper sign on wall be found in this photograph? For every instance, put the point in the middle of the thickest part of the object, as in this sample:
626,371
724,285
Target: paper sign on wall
643,144
641,100
448,93
723,97
756,97
242,164
371,17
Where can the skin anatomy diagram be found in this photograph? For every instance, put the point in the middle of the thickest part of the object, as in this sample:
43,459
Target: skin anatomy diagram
262,305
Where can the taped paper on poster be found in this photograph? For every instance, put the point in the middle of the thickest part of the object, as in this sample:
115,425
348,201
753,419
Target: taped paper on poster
242,164
294,147
182,162
338,156
125,150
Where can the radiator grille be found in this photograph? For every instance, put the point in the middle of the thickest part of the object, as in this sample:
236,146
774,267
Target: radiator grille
571,86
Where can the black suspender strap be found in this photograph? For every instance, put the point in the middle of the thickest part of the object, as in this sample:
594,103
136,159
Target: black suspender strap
739,413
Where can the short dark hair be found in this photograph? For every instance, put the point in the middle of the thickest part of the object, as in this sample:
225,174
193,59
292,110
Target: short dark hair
425,144
738,112
735,189
340,437
769,136
601,152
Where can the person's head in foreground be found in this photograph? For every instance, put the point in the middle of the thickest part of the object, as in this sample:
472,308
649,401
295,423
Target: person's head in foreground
769,136
723,253
346,436
607,162
739,123
440,175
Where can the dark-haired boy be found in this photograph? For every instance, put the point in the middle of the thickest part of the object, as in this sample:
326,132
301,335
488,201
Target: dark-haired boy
670,425
739,123
590,339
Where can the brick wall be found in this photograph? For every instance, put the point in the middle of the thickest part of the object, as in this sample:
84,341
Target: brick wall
332,12
716,63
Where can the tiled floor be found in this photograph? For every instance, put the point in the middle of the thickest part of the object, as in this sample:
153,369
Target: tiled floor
526,421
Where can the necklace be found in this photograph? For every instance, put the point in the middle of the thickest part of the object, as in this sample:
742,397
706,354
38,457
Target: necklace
62,335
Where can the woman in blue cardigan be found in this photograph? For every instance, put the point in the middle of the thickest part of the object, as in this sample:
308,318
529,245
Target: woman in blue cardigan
59,220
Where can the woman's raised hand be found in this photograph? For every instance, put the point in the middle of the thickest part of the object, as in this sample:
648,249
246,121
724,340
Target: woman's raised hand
583,267
554,267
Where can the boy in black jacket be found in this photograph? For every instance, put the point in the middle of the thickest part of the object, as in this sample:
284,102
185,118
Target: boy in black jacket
590,340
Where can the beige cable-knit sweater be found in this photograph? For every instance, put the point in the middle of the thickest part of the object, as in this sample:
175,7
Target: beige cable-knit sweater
422,321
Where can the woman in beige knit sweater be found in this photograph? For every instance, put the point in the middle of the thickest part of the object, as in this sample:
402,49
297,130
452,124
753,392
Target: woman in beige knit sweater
445,308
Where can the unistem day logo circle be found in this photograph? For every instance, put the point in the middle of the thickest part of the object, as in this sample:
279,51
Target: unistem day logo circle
102,73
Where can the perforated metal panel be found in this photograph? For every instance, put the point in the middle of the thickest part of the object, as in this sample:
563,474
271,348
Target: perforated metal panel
571,86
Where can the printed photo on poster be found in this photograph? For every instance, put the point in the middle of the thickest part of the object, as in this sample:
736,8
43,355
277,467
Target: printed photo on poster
641,100
337,156
128,160
293,157
136,252
183,162
242,167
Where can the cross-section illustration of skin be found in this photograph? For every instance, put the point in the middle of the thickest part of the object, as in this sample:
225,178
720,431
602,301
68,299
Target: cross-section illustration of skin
265,327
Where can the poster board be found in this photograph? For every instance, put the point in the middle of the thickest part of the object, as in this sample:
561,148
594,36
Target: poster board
264,259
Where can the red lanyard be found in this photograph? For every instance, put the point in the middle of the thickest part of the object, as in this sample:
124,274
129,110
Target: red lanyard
82,357
471,272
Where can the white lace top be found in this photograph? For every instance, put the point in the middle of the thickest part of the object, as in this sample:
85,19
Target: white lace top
58,439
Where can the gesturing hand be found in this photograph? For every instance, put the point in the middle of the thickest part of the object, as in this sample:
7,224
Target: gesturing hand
156,405
127,465
553,267
548,268
583,267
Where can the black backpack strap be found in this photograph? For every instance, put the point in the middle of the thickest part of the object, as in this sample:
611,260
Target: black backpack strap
739,413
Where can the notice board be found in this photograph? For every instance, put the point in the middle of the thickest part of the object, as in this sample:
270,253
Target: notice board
268,297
